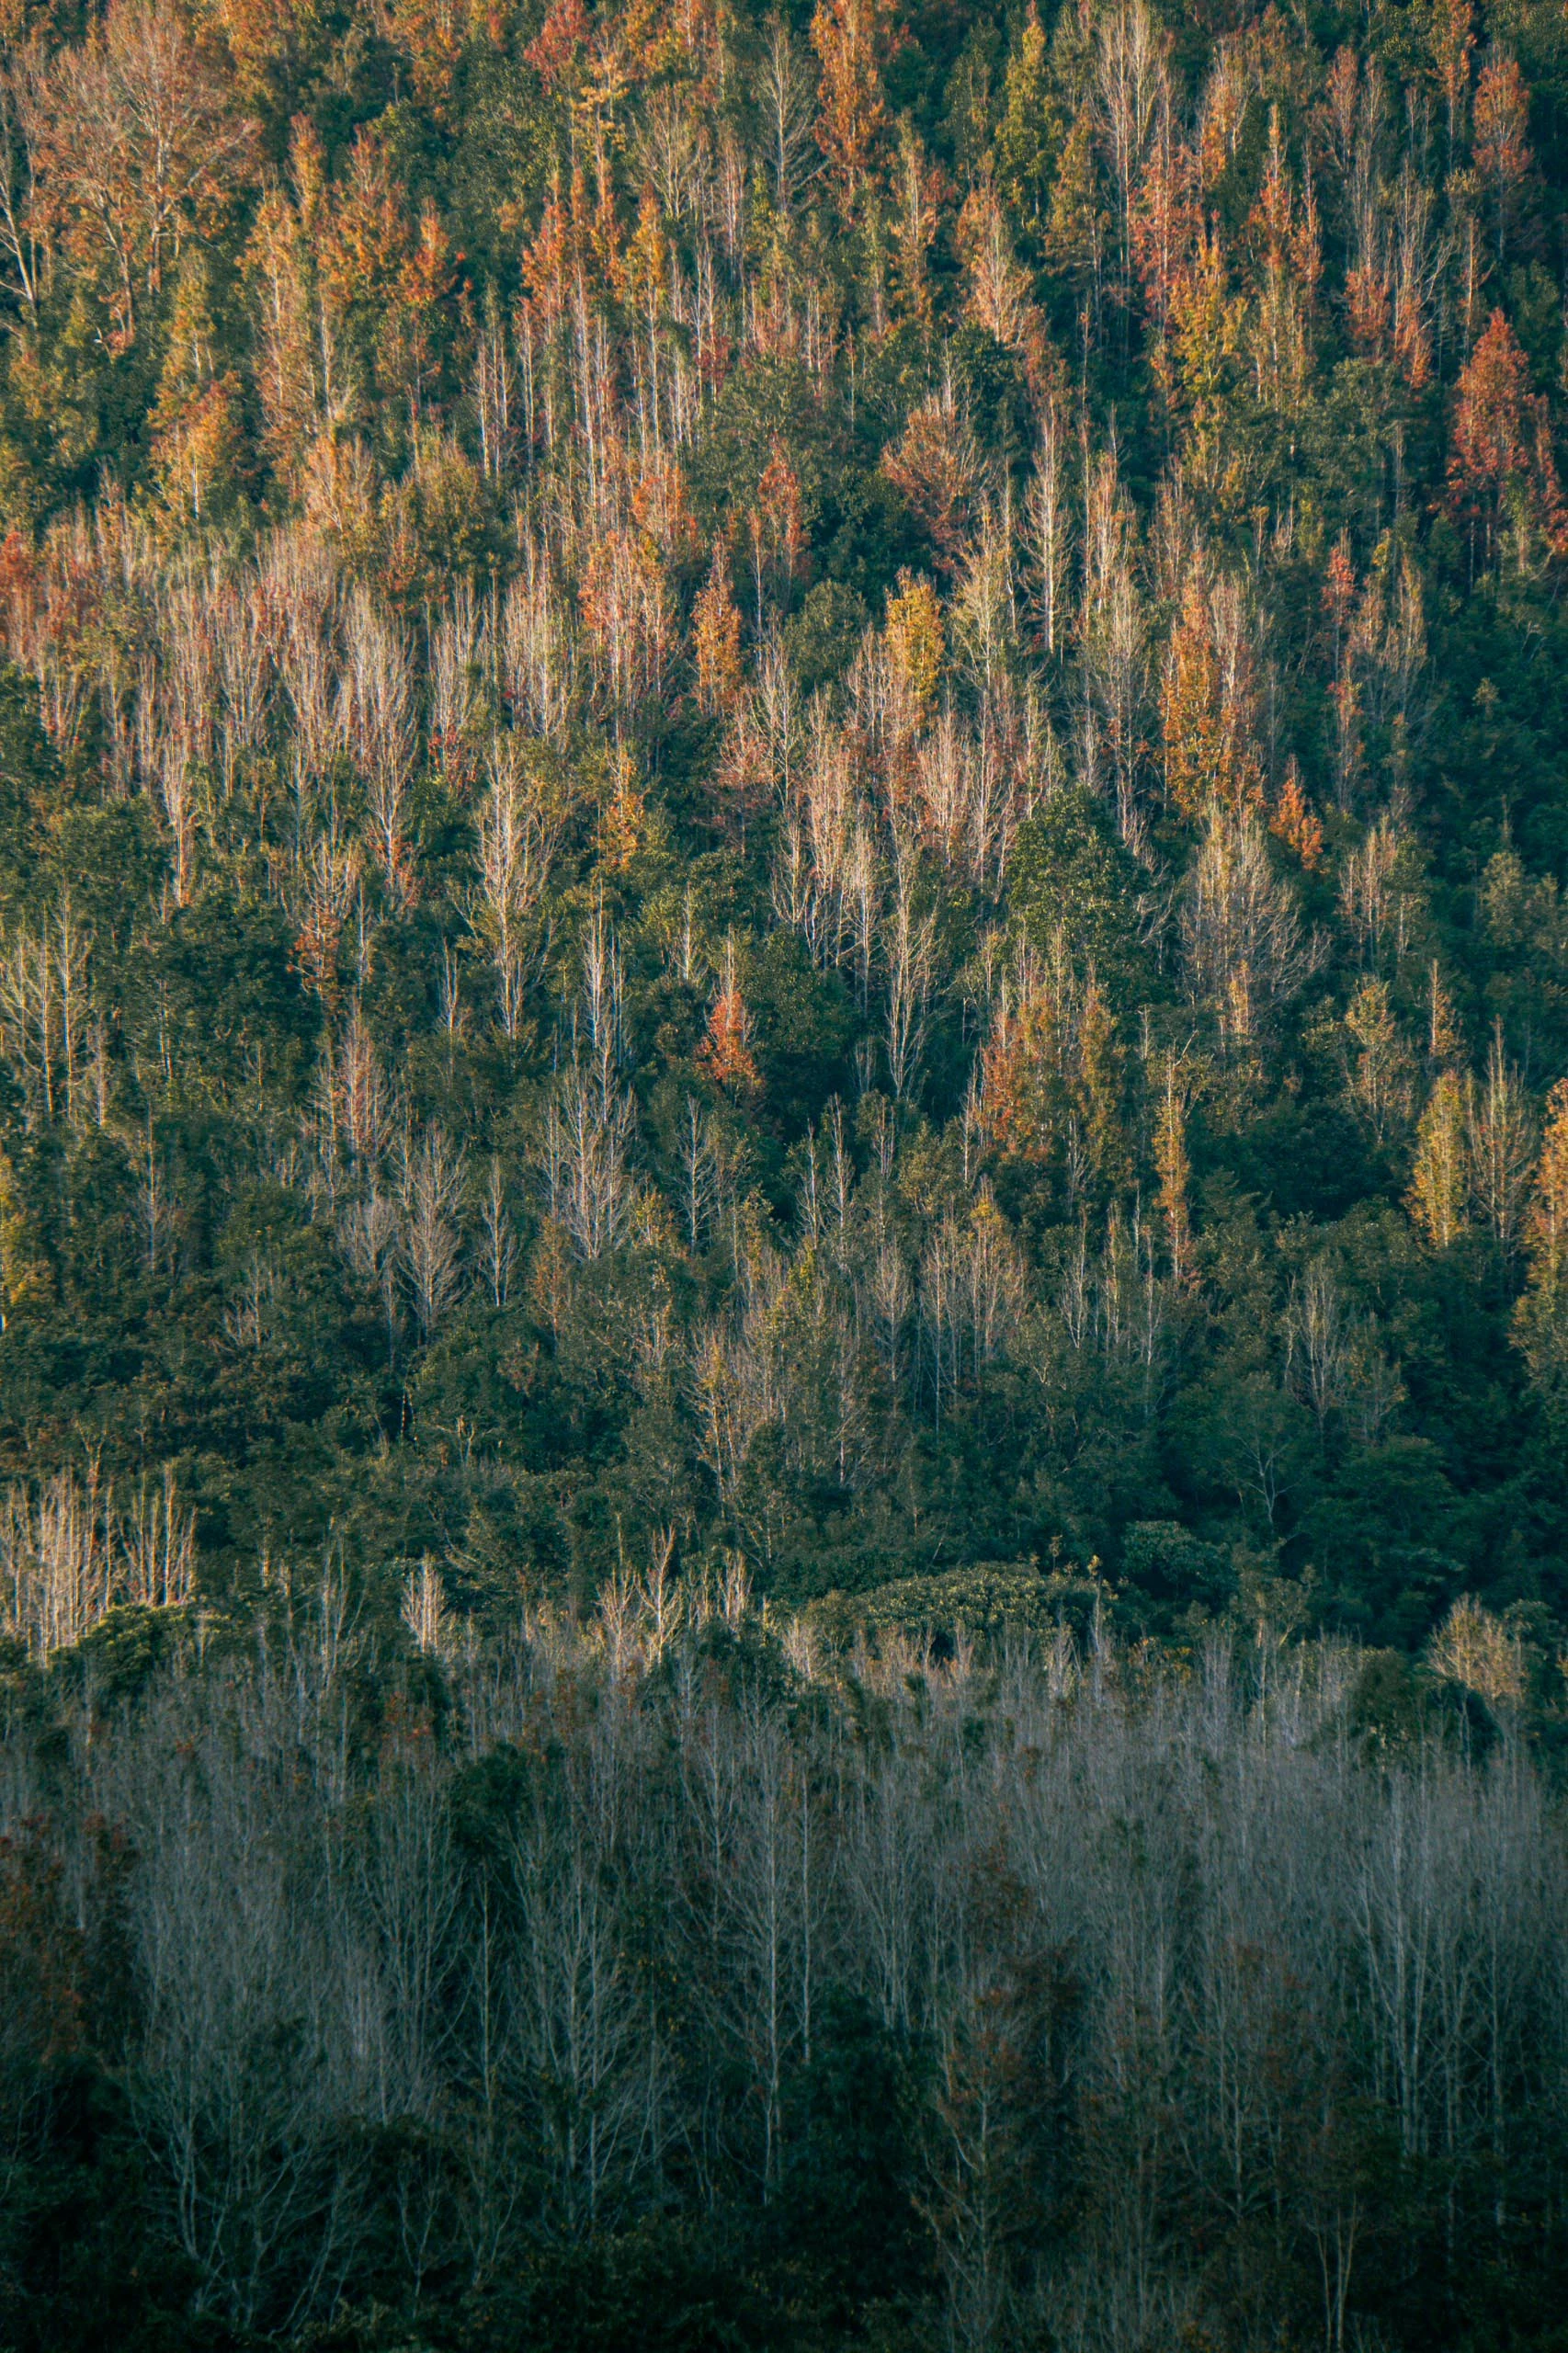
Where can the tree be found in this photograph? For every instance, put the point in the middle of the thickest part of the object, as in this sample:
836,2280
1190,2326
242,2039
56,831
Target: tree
1502,1149
198,446
853,40
519,833
916,644
1175,1168
1076,230
716,636
999,297
1439,1185
1246,947
138,150
1540,1318
937,467
909,953
1503,158
1382,1075
784,91
725,1051
1029,135
432,1242
1209,762
1501,458
1451,36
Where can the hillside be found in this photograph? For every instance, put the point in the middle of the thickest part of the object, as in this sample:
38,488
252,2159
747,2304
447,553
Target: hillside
783,826
799,787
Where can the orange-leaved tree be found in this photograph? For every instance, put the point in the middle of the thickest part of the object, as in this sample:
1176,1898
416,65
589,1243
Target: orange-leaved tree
138,150
1502,467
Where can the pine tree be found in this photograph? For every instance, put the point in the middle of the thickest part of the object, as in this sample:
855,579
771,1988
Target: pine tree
1031,135
1076,230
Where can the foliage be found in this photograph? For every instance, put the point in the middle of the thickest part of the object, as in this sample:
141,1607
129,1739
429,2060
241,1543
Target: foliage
781,805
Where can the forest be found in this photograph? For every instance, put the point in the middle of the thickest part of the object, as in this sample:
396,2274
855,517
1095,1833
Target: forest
783,1176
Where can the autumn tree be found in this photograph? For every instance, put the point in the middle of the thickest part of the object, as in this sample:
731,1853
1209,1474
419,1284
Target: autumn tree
716,636
1206,708
1502,469
138,150
1540,1318
1501,149
1439,1190
725,1053
853,40
916,646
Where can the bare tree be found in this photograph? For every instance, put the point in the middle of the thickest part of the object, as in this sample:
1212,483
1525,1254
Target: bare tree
1048,533
432,1239
786,95
517,837
1502,1148
377,721
57,1564
498,1253
157,1546
44,1012
425,1605
909,954
24,101
1246,947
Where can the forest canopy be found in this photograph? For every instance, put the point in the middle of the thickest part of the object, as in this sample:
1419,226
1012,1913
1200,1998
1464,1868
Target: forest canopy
786,782
783,830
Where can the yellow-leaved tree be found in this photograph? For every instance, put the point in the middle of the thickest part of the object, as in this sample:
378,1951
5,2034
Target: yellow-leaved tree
1540,1319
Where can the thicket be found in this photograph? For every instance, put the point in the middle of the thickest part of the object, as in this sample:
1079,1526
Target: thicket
667,1978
